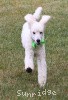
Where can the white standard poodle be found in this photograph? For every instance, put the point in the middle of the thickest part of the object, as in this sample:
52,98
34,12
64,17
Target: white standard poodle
32,38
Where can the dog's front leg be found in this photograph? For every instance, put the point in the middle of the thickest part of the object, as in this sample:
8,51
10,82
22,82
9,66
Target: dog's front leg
29,64
42,68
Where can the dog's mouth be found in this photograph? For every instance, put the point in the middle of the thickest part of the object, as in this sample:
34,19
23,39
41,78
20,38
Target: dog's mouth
38,43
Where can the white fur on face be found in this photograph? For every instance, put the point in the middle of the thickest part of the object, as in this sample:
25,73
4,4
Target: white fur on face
37,31
37,27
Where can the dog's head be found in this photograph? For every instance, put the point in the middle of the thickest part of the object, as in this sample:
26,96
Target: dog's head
37,28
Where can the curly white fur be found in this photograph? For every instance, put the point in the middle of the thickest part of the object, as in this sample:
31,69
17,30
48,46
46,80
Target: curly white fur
32,25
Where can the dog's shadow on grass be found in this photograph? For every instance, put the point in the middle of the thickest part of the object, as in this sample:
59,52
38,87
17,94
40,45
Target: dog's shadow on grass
27,79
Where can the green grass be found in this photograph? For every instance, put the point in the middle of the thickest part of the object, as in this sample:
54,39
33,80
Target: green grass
12,74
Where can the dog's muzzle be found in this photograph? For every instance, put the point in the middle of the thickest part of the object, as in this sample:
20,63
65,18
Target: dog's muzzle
34,45
38,42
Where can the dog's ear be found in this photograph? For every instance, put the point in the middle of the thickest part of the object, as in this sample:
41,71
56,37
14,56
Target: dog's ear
45,19
29,18
37,13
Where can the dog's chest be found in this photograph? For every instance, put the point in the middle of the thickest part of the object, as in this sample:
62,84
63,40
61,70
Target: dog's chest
36,51
35,54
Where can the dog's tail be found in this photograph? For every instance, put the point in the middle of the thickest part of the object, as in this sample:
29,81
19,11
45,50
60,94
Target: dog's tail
37,13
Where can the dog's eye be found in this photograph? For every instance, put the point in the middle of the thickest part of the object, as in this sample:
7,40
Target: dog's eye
33,32
41,32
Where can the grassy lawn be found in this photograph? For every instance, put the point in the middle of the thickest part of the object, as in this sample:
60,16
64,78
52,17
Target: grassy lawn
12,74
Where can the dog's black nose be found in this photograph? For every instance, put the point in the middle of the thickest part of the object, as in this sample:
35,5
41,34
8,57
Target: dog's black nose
38,41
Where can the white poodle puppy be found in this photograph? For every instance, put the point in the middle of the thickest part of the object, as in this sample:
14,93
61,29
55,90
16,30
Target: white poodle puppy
32,38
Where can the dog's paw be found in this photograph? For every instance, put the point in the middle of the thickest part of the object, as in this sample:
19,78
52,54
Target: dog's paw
29,70
42,81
